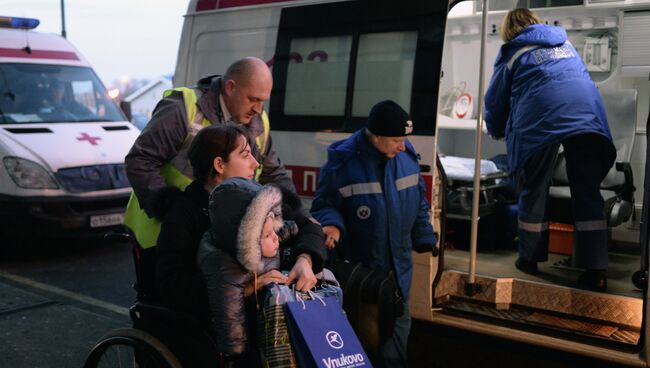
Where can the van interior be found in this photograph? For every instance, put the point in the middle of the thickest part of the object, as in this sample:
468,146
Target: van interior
550,300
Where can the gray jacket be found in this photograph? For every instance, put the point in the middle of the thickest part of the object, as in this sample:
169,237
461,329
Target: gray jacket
226,280
164,136
230,254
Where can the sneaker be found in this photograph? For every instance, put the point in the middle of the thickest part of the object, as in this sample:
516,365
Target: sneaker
594,280
529,267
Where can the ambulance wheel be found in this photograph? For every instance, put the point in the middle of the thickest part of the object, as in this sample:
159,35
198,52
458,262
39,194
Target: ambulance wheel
129,347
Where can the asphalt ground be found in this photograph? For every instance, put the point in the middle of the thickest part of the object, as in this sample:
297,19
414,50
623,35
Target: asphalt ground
38,331
58,298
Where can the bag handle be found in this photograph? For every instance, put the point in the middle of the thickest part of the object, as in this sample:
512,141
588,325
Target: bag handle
311,294
315,296
297,296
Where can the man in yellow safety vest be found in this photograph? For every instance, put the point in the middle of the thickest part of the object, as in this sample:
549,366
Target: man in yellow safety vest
158,157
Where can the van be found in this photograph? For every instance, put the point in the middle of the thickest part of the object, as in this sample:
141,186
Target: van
62,139
333,59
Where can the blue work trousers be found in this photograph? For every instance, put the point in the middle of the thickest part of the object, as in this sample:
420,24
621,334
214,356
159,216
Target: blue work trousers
585,156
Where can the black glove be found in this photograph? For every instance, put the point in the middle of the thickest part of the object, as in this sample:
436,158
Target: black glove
423,247
287,231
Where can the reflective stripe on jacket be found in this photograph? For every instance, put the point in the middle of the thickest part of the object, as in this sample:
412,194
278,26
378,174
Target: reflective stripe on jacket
379,205
261,141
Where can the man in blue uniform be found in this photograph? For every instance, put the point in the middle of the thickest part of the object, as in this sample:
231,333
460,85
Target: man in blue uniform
541,96
372,199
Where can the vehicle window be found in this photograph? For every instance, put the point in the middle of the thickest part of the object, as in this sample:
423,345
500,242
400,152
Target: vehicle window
329,70
317,76
384,70
318,73
82,92
31,93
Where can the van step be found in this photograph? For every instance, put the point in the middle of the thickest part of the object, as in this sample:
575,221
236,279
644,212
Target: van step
572,324
525,317
609,317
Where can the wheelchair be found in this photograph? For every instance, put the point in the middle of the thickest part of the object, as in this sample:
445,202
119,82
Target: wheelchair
159,338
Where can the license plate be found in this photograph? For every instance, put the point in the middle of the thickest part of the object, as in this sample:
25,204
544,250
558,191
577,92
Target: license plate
106,220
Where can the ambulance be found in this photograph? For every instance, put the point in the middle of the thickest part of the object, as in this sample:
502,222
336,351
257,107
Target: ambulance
333,59
62,139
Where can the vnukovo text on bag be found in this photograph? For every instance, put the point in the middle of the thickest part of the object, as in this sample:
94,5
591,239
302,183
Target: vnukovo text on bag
345,361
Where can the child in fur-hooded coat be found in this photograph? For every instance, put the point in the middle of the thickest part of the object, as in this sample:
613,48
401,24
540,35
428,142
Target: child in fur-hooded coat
231,254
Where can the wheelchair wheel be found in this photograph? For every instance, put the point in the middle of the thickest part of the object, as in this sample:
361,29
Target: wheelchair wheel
129,347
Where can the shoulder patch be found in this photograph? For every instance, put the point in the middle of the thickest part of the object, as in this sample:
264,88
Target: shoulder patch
363,212
543,55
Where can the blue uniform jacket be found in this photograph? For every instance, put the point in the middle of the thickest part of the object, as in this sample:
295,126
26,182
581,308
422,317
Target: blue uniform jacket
379,205
541,93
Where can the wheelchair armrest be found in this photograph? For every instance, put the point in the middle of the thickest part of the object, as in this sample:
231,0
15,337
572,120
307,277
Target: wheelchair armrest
628,189
156,312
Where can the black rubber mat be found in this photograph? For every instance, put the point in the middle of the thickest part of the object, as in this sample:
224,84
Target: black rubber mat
572,324
520,315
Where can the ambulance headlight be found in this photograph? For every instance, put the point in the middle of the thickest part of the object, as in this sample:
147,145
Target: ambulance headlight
28,174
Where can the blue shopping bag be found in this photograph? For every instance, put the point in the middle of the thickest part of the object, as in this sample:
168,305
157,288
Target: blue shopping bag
322,336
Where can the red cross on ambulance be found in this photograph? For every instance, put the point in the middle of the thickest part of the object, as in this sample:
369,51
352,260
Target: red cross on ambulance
85,137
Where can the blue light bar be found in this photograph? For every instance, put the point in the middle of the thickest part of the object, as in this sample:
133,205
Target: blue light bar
16,22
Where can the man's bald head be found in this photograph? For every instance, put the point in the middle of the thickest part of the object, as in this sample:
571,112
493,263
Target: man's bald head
246,86
247,70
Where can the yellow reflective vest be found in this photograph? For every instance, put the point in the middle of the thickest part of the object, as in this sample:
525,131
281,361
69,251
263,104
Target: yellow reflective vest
145,228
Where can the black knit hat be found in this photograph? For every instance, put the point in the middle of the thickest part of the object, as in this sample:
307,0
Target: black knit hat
388,119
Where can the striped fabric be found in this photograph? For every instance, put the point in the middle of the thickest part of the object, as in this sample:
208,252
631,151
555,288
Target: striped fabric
273,338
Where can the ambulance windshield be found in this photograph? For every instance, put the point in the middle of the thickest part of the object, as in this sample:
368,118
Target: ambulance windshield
38,93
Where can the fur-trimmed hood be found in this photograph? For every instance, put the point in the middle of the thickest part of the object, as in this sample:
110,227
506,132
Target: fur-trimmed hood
238,209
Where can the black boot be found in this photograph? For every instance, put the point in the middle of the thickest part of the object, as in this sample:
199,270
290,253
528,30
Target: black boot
594,280
529,267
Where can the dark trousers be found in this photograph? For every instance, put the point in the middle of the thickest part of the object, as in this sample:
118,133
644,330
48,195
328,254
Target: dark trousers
585,157
392,353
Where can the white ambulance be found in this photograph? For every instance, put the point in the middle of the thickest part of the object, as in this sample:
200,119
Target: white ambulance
328,71
333,59
62,139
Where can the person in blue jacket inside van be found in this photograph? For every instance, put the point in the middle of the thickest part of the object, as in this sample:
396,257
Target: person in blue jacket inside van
372,199
540,97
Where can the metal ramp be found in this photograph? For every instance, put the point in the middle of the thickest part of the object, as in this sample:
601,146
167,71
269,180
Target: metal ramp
556,309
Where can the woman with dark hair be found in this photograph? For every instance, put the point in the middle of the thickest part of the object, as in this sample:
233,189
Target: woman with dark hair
216,154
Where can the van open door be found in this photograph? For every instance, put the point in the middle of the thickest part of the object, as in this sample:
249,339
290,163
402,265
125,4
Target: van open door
547,309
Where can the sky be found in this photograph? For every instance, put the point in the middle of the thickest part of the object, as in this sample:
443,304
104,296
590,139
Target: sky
120,38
